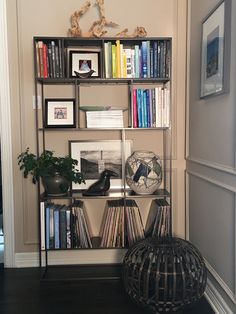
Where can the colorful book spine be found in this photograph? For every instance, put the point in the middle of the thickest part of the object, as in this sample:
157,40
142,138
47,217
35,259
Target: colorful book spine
151,62
128,55
137,61
108,62
118,59
148,60
135,111
155,59
114,71
144,59
144,110
56,229
139,107
62,219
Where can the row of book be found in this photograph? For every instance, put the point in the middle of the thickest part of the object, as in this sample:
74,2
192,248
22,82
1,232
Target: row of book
150,59
49,59
68,227
122,224
151,107
64,227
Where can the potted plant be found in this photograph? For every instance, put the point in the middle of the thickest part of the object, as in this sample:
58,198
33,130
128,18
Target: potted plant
56,173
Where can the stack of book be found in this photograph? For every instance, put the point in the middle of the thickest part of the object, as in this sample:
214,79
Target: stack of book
122,224
105,119
150,59
159,219
66,227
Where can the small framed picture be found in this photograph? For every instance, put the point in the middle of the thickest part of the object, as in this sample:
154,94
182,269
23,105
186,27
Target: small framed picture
60,113
85,63
215,56
96,156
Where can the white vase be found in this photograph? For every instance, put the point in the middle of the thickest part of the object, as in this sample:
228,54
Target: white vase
143,172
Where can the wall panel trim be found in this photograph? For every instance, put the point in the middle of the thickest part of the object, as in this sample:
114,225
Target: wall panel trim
213,165
216,301
212,181
221,282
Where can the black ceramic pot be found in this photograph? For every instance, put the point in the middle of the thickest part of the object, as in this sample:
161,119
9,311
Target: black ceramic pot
56,185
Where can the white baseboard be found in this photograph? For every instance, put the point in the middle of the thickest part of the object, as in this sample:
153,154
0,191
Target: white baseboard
216,300
79,257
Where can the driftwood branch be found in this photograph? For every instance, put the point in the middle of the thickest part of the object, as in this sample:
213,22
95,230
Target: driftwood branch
97,29
75,29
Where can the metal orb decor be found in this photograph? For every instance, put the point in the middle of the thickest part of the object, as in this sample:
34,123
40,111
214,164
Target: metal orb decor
143,172
164,274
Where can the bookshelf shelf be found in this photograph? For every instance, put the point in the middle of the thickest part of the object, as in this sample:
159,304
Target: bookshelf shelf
142,72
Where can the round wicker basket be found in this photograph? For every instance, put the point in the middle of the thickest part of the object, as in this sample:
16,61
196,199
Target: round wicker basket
164,274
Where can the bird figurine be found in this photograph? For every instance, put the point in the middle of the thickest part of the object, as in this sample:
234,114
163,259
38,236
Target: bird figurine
101,186
84,74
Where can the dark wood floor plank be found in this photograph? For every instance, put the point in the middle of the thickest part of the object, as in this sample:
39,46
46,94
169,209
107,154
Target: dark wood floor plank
23,292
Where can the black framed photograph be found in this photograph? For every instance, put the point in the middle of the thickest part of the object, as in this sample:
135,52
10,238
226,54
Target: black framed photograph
86,63
60,113
215,52
96,156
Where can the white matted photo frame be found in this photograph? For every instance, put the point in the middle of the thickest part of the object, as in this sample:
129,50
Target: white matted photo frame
215,50
60,113
83,61
95,156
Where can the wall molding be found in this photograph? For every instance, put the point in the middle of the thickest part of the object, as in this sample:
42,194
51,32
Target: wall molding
216,301
212,181
221,282
74,258
213,165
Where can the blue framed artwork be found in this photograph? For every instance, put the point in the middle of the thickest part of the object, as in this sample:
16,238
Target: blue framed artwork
215,53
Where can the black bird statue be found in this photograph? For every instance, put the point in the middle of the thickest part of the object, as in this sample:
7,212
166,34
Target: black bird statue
101,186
84,74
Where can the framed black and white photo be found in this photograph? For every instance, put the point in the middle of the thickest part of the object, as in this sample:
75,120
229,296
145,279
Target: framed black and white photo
83,62
95,156
60,113
215,53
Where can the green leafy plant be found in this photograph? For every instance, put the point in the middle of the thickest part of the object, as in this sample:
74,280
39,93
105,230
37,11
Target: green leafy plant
47,165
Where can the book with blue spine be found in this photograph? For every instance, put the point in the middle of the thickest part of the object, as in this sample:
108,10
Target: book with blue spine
139,107
155,59
135,110
144,59
148,59
56,228
144,111
137,61
151,62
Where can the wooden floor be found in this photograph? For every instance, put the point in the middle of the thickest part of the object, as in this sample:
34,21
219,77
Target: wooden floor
22,291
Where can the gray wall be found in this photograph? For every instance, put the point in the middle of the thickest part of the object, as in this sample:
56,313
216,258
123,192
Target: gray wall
211,173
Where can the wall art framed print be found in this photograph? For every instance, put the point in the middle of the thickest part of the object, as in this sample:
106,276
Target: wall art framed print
95,156
60,113
83,62
215,50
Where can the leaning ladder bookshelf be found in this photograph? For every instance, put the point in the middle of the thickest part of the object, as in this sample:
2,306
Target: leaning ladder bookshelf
55,63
